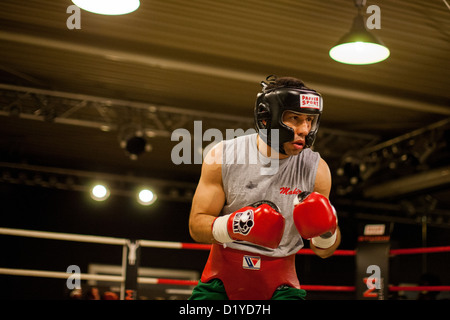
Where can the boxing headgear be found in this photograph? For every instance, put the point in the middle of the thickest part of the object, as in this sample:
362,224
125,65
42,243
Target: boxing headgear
272,103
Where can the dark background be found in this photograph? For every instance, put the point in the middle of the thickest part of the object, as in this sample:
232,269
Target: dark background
69,99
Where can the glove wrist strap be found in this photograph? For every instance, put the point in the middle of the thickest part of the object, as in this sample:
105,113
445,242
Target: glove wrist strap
324,243
220,229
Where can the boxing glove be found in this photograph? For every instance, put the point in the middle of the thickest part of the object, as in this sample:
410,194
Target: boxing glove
315,219
259,223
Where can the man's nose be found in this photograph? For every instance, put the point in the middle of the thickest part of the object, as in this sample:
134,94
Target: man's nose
302,129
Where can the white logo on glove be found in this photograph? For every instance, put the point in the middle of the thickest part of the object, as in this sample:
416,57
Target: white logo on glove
243,222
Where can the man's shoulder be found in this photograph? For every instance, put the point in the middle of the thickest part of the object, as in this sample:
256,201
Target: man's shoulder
239,138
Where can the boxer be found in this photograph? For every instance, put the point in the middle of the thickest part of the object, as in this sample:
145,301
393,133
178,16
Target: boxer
255,222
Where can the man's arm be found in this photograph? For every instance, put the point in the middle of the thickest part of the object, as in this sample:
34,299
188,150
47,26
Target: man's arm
209,197
323,179
266,224
323,186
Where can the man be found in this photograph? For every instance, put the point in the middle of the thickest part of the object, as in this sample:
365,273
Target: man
254,217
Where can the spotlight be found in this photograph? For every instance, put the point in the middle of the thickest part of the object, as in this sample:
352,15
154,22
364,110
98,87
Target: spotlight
135,145
146,197
99,192
351,168
134,142
108,7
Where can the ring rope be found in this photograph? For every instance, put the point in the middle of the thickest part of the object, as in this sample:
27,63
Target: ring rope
397,252
120,241
419,288
189,246
181,282
63,236
183,245
59,275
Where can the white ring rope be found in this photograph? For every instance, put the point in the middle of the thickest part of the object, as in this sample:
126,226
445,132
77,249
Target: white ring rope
88,239
59,275
160,244
62,236
82,276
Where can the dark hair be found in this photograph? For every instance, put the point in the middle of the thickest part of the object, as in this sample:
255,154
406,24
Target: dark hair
275,82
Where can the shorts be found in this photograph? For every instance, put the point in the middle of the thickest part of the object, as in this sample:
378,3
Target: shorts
215,290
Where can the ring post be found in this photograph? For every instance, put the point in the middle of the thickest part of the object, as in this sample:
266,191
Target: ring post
372,263
131,272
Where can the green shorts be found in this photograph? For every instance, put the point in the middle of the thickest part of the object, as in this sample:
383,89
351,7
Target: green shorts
215,290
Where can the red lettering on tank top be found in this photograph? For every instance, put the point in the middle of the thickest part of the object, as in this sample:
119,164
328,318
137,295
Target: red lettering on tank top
289,191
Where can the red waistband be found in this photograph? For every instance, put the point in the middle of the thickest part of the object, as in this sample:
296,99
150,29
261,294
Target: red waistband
248,276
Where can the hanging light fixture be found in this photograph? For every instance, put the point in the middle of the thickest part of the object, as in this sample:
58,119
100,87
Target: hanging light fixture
108,7
359,46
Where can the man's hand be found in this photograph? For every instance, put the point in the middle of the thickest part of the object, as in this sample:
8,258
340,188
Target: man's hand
260,224
315,219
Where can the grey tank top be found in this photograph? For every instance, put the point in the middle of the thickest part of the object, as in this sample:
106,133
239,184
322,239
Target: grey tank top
248,177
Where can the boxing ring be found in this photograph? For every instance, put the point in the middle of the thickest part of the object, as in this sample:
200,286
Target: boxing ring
129,252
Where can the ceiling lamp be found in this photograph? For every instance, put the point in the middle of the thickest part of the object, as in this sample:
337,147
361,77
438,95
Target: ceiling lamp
99,192
359,46
135,146
146,197
133,141
108,7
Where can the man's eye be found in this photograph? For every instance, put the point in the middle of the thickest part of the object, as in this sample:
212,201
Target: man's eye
291,118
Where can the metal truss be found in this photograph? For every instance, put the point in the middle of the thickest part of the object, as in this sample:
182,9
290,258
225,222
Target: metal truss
358,161
417,160
152,120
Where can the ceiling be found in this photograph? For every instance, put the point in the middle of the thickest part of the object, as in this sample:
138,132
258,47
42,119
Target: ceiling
69,96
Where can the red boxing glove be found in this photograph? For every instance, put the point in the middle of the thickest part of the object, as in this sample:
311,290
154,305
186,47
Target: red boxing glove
259,223
314,216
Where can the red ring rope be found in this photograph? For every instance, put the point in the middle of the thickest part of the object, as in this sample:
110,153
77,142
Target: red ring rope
394,252
195,246
337,252
420,250
198,246
419,288
319,287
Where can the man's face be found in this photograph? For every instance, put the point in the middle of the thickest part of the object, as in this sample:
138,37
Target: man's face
301,124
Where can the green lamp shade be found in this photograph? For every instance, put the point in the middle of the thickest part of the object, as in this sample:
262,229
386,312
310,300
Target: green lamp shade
359,46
